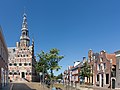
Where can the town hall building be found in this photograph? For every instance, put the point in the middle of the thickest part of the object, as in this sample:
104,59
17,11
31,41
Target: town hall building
21,58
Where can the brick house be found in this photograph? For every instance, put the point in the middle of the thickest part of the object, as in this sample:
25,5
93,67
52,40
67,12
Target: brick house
75,72
102,65
65,77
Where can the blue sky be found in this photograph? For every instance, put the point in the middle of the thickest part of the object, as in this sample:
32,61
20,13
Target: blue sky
72,26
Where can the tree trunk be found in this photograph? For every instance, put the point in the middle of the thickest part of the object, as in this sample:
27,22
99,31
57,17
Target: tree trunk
52,77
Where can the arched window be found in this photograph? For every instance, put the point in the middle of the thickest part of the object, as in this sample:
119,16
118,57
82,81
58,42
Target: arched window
23,33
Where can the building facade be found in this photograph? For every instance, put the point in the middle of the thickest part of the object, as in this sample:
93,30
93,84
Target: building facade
103,67
21,58
75,73
117,81
3,61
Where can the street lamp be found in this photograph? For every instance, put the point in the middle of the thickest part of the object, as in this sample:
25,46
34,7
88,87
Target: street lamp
110,73
40,76
43,73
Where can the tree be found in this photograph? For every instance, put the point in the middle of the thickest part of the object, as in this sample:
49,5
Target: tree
42,63
85,71
49,61
54,58
60,76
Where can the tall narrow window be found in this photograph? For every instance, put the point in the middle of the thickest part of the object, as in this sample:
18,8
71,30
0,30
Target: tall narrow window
104,65
97,77
107,78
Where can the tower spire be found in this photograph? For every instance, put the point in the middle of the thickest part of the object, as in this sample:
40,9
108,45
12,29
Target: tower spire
24,39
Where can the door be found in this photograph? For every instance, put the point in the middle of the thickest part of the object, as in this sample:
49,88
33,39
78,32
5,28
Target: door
113,83
23,74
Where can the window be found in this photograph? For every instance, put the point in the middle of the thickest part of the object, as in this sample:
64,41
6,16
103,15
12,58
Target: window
107,78
104,65
10,73
20,64
99,66
15,64
25,64
29,64
10,64
14,50
30,73
15,73
97,77
23,33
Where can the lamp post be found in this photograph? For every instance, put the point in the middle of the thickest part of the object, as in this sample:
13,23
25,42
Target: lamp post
43,73
110,73
40,77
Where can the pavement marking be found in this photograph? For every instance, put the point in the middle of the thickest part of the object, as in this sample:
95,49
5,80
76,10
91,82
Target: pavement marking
11,88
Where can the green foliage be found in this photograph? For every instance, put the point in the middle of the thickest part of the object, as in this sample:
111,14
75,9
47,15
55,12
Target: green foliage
42,64
85,71
49,61
60,76
54,58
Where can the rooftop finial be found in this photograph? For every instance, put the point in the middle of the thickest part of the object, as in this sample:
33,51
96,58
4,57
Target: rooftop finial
24,15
